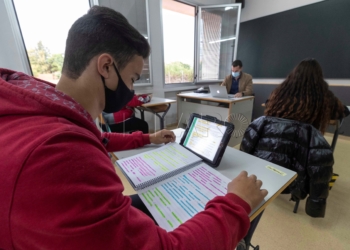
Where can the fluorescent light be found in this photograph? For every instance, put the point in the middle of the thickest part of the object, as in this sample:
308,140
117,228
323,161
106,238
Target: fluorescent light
228,8
223,40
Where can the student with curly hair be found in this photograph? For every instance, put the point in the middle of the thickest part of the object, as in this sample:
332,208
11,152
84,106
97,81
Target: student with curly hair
304,96
290,134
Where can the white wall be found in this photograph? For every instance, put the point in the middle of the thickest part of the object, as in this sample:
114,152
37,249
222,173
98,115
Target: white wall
12,52
258,8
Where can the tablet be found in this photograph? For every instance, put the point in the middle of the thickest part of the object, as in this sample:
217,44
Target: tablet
207,137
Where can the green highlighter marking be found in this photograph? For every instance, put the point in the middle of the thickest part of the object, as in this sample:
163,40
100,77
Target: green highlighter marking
144,196
177,218
149,197
169,222
151,193
161,200
163,196
159,211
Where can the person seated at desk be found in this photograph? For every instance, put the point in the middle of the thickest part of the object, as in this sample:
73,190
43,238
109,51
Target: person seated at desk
59,188
238,83
125,120
290,133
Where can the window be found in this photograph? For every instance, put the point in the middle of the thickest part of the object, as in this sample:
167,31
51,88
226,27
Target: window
218,29
199,47
45,25
178,35
136,12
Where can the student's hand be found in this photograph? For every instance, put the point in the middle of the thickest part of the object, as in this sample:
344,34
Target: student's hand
162,136
248,188
239,94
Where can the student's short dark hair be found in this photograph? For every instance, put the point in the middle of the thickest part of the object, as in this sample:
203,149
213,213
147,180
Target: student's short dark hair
101,30
237,63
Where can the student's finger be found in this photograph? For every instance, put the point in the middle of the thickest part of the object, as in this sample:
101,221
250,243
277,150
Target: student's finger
264,192
168,134
243,174
259,183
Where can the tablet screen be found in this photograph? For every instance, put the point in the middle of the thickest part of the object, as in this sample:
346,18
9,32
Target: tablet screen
204,137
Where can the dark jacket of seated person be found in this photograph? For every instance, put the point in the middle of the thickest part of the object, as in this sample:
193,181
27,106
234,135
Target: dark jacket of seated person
297,146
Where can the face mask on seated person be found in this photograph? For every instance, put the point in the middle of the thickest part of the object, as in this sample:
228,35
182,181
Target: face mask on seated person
235,74
117,99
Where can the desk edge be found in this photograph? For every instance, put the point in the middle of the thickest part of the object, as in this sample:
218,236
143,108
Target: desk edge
257,212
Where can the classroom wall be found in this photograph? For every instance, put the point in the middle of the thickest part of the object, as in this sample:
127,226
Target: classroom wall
271,46
257,8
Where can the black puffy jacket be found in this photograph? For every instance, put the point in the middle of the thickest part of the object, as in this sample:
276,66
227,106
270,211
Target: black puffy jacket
299,147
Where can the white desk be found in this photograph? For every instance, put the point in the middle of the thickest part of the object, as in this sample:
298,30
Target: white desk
235,161
237,111
156,105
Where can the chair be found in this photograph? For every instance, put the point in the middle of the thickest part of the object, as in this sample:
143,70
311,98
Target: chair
337,124
107,127
247,239
290,145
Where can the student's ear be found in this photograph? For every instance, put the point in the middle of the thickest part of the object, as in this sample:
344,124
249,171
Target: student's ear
104,64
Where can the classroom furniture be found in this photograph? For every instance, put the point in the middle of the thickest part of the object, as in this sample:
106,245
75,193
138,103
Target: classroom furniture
275,178
237,111
156,106
337,124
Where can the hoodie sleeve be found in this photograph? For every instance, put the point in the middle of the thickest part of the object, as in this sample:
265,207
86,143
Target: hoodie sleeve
137,100
119,141
78,204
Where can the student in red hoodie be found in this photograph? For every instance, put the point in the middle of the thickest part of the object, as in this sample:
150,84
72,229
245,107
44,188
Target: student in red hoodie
59,189
124,120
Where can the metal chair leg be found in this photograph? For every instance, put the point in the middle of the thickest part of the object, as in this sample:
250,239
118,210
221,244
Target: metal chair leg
249,236
295,210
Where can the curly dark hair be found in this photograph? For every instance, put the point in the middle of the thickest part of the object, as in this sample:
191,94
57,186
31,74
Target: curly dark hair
304,96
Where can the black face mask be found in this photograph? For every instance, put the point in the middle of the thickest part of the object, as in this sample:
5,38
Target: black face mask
117,99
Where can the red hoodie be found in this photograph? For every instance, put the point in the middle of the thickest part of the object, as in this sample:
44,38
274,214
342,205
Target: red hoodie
59,189
127,112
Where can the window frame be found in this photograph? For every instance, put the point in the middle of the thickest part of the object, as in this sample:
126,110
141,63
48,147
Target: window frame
150,83
197,45
234,55
180,84
18,35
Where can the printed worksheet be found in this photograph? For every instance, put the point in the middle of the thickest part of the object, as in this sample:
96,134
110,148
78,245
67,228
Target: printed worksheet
177,199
